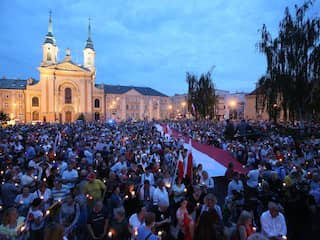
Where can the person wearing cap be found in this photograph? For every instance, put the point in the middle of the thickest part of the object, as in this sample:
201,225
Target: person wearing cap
273,223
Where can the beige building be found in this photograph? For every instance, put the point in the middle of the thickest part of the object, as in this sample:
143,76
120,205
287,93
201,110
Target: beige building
254,109
66,89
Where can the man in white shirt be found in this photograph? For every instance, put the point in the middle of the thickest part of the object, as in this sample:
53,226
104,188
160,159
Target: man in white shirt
160,195
137,220
273,223
70,176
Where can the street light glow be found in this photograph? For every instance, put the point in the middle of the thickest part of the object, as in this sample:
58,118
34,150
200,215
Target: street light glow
232,103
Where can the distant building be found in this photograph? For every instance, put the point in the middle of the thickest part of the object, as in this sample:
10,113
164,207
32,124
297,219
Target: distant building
65,90
179,107
254,109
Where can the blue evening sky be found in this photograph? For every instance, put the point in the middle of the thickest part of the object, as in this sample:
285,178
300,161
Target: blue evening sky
145,42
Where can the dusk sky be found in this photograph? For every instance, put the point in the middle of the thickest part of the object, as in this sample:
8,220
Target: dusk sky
149,43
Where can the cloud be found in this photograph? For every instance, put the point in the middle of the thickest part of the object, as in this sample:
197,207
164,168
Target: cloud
145,42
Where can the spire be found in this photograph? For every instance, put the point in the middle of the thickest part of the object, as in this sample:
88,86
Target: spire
49,36
50,22
89,43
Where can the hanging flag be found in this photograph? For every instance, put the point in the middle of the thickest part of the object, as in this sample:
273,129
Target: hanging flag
189,163
180,166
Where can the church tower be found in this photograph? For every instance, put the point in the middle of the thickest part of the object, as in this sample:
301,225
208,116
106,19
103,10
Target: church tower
88,52
49,47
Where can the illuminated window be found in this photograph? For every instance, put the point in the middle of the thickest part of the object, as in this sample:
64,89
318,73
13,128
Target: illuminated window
96,103
35,102
35,116
67,95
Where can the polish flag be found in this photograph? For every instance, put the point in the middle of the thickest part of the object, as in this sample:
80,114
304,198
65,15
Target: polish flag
189,163
180,166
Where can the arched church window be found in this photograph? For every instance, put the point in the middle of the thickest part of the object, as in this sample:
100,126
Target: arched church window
35,116
67,95
35,102
96,103
49,56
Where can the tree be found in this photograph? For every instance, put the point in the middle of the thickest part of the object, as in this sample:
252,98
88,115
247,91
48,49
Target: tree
4,117
81,117
201,96
292,79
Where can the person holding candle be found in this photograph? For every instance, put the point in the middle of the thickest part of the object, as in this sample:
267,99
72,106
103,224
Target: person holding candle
23,201
136,220
12,224
36,219
98,222
146,194
119,225
273,223
179,191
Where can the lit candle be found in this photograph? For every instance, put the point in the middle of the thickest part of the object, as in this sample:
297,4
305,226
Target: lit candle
284,184
126,196
259,184
41,197
135,232
168,185
35,177
53,161
16,184
254,229
284,237
78,168
243,166
2,172
160,233
0,207
133,193
129,175
59,199
185,190
104,180
47,212
44,179
110,234
159,170
21,202
23,227
198,204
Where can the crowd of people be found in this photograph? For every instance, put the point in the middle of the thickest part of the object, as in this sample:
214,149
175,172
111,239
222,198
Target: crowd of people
120,181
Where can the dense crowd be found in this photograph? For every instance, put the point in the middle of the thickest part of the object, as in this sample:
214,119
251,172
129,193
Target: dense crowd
120,181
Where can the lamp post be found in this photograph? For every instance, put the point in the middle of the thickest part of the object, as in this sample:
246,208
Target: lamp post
170,110
232,105
183,104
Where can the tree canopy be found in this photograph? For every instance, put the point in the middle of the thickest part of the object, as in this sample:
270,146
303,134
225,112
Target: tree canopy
292,79
201,96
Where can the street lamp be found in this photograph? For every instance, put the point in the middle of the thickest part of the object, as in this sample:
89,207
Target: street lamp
232,104
170,110
183,104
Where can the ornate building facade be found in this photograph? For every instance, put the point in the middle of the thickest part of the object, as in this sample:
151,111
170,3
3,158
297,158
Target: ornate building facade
66,89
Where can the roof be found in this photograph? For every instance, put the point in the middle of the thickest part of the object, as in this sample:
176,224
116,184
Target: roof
12,83
117,89
256,91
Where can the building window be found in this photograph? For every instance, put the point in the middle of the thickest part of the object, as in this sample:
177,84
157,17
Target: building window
35,116
49,56
6,105
67,95
96,103
35,102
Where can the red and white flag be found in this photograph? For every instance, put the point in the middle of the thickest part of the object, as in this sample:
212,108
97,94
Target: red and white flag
180,167
189,163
